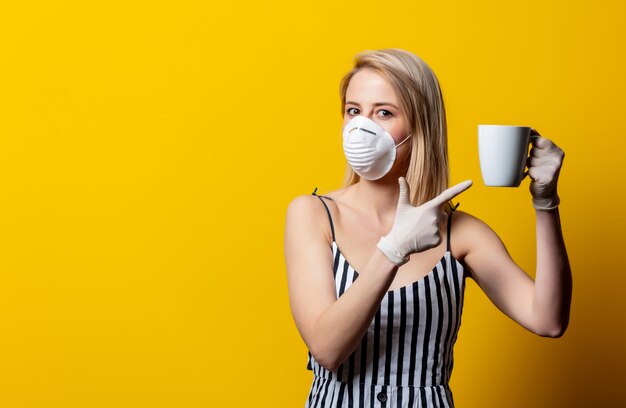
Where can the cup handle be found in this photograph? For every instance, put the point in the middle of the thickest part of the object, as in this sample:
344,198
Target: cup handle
533,136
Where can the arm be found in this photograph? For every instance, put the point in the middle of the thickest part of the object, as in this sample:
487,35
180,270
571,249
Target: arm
553,282
553,292
541,306
331,328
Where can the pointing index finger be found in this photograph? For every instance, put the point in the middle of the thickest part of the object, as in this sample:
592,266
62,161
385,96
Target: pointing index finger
451,192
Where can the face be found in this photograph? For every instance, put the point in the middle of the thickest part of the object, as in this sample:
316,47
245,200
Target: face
370,95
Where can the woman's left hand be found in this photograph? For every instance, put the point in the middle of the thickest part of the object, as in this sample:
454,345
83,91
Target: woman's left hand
544,165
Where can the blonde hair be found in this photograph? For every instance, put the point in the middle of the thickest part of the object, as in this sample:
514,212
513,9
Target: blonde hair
418,91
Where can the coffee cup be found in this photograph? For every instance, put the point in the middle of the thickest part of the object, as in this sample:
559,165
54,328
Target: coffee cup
503,151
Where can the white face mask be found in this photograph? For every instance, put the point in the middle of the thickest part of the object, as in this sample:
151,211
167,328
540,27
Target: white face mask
369,148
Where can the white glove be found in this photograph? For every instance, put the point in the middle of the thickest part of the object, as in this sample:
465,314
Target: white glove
544,165
416,229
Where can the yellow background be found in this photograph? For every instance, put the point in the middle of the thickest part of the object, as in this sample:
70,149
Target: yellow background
149,151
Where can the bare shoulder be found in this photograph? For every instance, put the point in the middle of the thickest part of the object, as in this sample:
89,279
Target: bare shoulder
303,207
306,212
301,204
467,230
309,205
477,245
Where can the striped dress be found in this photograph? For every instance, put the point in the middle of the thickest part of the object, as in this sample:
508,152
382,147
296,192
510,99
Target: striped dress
406,357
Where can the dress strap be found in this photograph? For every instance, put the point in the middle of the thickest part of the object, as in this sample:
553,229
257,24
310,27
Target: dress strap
332,227
450,223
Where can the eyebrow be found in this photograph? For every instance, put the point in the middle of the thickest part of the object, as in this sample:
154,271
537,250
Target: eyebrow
376,104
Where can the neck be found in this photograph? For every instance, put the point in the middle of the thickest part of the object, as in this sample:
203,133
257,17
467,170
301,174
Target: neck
378,199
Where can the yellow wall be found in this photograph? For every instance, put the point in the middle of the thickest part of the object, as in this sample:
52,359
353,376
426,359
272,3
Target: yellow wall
149,151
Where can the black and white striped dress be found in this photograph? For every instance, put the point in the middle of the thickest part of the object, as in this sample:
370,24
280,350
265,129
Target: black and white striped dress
406,357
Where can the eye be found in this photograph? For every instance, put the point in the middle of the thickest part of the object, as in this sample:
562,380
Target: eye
349,109
385,110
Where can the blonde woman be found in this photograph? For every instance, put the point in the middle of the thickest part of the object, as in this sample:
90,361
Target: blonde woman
376,270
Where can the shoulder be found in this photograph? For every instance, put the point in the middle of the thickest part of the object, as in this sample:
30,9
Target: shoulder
309,204
463,220
305,214
304,205
468,231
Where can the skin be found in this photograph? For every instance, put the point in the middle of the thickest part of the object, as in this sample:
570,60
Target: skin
362,213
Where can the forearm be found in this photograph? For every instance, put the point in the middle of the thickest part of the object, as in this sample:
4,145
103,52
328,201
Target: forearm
341,327
553,280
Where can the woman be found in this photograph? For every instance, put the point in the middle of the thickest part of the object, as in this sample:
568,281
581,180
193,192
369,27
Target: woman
379,320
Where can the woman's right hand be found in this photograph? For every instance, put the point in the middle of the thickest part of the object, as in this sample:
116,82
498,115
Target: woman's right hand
416,229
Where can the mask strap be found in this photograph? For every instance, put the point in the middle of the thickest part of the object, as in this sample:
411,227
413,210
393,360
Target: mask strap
407,138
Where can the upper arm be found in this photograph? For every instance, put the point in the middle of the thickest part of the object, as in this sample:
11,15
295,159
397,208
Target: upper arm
308,258
508,287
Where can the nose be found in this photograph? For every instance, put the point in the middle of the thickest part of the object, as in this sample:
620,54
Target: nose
370,116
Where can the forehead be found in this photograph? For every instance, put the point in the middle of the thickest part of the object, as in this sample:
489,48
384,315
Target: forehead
367,86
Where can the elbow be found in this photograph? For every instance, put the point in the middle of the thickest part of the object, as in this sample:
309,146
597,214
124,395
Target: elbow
325,359
330,366
554,332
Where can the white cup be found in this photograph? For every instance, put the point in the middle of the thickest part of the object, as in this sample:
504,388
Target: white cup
503,151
